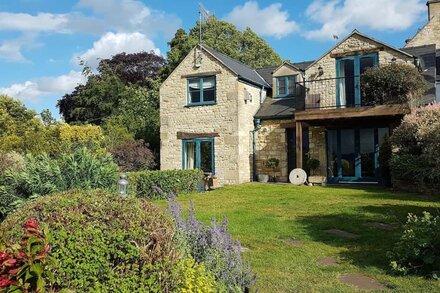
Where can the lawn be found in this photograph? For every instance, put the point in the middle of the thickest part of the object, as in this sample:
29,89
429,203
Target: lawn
268,219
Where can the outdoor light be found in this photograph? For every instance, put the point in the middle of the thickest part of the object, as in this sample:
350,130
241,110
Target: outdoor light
123,185
320,71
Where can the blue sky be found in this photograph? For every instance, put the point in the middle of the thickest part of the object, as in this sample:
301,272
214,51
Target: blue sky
41,40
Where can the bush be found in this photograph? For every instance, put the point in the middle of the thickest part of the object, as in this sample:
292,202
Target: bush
44,175
392,84
418,250
133,156
415,164
103,242
213,246
11,161
157,184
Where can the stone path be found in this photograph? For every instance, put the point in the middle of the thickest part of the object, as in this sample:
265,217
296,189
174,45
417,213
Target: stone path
361,282
381,226
328,261
341,233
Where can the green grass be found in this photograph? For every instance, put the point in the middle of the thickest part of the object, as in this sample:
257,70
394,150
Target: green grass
264,216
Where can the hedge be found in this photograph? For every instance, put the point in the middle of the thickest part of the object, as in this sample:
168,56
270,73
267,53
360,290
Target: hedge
157,184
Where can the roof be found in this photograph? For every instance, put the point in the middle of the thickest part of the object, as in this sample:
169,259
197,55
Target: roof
243,71
303,65
277,108
429,65
266,73
432,1
356,32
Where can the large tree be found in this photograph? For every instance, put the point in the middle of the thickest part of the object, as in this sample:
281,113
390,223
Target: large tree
245,46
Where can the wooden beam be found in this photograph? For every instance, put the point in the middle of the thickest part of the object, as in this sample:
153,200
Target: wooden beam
299,145
192,135
208,73
356,112
356,52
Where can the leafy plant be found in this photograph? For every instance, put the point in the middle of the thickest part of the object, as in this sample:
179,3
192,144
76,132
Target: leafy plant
273,164
313,165
418,250
133,156
157,184
103,242
392,84
214,247
24,267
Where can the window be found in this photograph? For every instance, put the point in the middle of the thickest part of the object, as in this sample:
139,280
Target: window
201,90
286,86
199,154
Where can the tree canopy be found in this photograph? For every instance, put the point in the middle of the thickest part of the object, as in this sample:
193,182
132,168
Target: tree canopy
245,46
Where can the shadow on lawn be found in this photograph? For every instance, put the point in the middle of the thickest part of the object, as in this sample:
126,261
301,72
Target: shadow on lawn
369,249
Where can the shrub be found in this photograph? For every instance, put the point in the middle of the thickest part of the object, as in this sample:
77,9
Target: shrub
103,242
44,175
172,181
11,161
194,277
72,137
213,246
133,156
392,84
415,164
25,266
418,250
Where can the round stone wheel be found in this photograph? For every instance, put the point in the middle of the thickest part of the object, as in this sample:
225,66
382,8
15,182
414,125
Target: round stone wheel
298,176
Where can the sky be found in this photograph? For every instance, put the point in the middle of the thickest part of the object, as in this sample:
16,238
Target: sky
42,41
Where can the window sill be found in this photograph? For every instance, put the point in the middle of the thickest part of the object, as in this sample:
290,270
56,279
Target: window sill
200,104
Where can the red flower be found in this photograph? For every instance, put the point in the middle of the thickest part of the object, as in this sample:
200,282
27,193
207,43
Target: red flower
5,282
10,262
3,256
13,271
20,255
31,224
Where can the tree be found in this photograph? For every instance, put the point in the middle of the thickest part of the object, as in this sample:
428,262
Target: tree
47,118
133,68
224,37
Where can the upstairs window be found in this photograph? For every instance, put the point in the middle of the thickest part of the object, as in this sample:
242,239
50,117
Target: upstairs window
286,86
201,91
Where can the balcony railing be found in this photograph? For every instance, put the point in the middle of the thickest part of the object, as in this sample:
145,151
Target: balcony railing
331,93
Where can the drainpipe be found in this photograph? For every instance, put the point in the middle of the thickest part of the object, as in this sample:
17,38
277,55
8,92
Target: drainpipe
254,148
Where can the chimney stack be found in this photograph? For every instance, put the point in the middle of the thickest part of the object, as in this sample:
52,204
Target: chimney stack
433,8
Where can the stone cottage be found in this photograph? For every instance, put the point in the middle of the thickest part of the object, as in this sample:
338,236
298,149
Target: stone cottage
228,119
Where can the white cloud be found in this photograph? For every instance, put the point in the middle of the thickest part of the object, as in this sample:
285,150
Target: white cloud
34,23
11,50
338,17
268,21
32,90
113,43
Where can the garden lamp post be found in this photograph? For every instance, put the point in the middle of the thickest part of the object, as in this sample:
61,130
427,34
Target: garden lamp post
123,185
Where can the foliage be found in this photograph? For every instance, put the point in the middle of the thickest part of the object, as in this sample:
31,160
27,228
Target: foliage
214,247
416,161
195,278
385,155
418,250
224,37
273,163
47,118
392,84
43,175
133,156
72,137
116,132
103,242
24,267
157,184
134,68
11,161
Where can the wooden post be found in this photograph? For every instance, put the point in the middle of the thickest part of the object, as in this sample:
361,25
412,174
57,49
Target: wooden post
299,145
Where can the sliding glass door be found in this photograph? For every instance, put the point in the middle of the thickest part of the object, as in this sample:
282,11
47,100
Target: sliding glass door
353,154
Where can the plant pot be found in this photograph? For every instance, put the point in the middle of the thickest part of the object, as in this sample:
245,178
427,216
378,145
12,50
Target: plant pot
263,178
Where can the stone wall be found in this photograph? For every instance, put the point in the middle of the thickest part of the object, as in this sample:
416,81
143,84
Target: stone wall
429,34
317,146
271,142
325,88
231,118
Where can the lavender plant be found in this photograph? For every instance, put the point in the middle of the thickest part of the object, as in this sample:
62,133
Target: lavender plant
213,246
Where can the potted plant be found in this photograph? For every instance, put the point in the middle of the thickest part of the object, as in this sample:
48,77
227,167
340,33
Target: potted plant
314,165
273,163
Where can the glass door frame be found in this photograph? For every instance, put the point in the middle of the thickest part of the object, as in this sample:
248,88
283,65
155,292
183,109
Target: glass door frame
358,164
357,76
197,142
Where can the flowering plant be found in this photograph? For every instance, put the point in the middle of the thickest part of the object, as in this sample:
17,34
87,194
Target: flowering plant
23,266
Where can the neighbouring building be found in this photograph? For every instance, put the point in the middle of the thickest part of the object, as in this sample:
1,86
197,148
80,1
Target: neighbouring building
228,119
